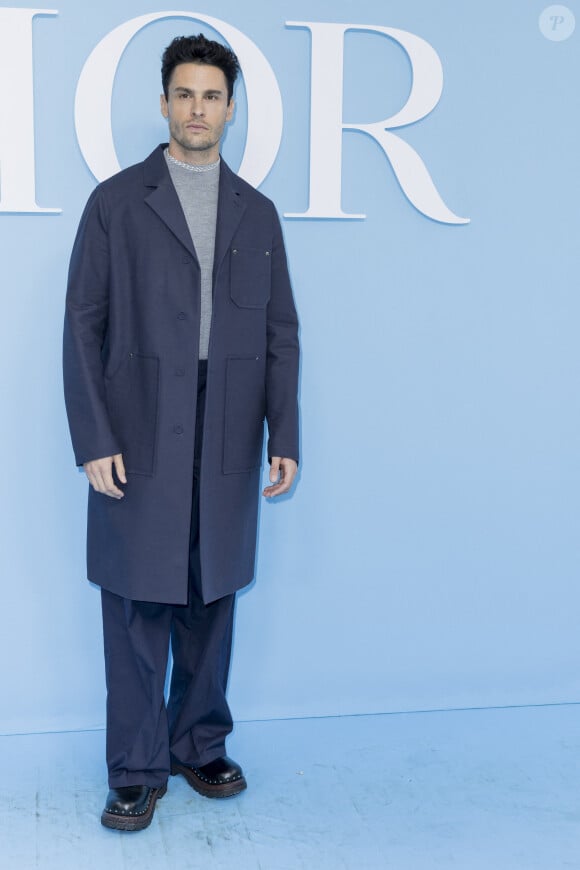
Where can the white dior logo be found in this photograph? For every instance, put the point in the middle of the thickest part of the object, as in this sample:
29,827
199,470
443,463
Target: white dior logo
93,112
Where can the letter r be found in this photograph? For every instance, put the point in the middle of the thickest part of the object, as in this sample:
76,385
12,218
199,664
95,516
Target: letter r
327,124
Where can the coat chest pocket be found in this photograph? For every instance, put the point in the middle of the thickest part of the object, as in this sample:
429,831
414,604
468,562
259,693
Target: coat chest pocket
133,396
250,277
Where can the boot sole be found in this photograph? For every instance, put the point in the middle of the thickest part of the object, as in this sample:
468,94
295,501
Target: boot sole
207,789
133,823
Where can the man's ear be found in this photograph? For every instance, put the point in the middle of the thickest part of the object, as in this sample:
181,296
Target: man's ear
163,106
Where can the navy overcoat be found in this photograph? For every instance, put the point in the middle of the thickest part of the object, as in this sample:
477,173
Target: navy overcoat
131,342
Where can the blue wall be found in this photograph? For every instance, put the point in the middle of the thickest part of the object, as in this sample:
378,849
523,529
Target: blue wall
429,557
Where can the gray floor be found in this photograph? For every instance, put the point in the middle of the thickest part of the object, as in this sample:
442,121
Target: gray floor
476,790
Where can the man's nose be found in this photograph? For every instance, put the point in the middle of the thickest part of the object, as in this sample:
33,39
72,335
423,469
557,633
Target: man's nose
196,106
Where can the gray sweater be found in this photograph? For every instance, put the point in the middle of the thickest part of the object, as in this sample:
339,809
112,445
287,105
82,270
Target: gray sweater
198,195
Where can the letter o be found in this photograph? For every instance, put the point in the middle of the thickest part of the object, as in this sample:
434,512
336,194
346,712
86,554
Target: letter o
95,91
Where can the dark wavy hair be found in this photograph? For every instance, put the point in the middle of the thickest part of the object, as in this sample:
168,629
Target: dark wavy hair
198,49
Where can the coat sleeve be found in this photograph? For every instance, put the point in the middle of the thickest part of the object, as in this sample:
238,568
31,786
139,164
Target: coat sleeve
282,357
85,335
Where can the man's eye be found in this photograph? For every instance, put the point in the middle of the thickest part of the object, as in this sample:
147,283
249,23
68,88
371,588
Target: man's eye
184,96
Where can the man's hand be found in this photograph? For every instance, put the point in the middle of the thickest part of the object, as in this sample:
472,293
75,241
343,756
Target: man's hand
282,473
100,474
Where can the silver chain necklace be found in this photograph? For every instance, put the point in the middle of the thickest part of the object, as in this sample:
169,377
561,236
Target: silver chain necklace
193,167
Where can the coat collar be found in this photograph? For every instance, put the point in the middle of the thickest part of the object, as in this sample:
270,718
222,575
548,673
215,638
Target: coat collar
163,199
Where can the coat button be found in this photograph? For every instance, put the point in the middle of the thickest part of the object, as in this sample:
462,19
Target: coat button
182,315
179,372
178,430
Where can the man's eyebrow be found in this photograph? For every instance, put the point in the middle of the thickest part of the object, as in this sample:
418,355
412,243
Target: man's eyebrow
184,90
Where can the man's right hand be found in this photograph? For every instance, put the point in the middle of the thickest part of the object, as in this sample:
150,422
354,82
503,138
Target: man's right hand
100,474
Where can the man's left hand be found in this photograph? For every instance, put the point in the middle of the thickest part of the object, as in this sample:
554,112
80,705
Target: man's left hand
282,474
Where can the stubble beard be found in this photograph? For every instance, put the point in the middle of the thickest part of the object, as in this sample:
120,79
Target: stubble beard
205,143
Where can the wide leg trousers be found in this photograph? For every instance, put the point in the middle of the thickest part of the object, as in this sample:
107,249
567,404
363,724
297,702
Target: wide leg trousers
142,731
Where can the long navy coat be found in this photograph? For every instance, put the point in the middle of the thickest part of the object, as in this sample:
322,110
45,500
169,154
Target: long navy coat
131,343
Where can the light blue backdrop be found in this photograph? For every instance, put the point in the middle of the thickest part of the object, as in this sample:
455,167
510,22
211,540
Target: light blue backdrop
429,557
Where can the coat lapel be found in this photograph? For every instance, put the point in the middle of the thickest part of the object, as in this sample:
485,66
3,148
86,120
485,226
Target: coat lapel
231,208
163,198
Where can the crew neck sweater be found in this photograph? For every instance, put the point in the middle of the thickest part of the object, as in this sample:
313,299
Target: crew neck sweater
198,195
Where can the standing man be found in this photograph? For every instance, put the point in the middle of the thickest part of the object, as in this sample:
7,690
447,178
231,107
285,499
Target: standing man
180,339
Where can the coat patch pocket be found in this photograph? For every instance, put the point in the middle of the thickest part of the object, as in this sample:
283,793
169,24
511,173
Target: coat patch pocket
250,277
134,394
245,408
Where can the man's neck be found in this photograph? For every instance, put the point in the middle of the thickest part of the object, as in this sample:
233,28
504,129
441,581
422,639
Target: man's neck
195,158
191,168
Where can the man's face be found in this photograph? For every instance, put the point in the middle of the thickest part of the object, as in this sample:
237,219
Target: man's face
197,109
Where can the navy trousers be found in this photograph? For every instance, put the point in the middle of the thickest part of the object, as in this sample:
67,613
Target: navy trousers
142,731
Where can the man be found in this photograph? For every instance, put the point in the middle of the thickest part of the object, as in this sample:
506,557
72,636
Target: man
180,339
